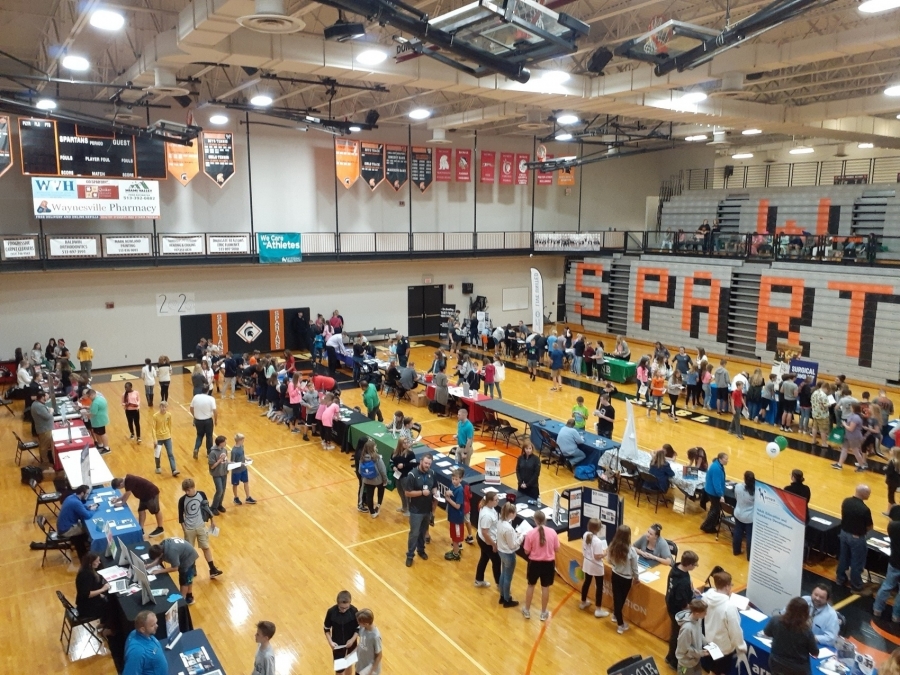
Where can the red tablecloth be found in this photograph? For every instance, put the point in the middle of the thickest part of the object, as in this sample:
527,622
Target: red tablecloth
476,413
79,442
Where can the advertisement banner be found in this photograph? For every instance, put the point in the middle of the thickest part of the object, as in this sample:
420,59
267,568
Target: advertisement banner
542,177
522,169
87,246
95,198
182,244
182,161
279,247
346,161
396,165
566,176
218,156
442,157
5,152
507,168
19,248
776,562
228,244
568,241
463,166
537,302
126,245
372,163
421,168
488,165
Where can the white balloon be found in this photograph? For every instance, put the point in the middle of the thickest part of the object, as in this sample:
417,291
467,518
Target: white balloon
772,449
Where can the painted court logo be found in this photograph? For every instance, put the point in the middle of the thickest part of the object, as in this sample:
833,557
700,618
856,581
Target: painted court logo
575,572
248,332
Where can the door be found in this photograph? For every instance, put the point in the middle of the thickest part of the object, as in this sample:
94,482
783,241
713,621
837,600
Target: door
424,309
834,219
561,304
772,219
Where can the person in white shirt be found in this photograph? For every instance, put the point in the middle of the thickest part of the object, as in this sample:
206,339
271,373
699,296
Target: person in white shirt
148,375
203,408
508,542
593,549
740,377
23,375
722,626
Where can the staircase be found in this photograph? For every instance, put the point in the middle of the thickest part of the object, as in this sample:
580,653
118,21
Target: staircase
618,302
870,211
729,213
742,312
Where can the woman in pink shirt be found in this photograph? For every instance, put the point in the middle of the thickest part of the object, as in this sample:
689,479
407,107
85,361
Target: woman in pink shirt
131,401
295,396
328,410
541,545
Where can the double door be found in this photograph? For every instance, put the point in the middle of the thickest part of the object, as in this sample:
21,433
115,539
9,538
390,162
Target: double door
424,310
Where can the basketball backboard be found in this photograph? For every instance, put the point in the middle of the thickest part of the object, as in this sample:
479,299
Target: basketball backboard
664,40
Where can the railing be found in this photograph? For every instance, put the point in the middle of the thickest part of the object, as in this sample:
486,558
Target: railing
796,174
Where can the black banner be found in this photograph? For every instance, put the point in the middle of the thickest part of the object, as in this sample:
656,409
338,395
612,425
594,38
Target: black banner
267,330
218,156
422,168
396,165
372,163
5,153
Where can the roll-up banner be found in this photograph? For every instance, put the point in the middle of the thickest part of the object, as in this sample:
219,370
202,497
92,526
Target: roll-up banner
442,160
463,165
421,168
346,161
396,165
537,302
488,165
372,163
218,156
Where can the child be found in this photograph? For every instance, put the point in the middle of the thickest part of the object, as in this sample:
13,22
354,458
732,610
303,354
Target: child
455,499
593,548
467,514
264,661
499,375
148,375
657,389
240,474
690,637
341,628
85,357
392,352
368,649
328,410
579,414
737,399
674,390
193,511
310,403
489,373
131,401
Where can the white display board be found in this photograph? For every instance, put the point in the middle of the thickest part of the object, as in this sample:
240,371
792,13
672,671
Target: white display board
515,298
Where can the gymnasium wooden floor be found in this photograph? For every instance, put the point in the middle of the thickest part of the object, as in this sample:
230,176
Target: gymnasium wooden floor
286,558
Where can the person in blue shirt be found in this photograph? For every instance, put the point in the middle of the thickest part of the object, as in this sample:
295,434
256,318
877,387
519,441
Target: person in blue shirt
715,492
661,470
568,440
465,435
557,354
825,622
143,653
72,514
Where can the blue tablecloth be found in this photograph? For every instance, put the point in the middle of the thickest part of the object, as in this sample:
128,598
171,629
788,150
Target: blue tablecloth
471,476
756,660
593,446
129,534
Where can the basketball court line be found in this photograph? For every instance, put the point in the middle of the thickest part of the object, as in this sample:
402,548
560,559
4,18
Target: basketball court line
379,578
540,636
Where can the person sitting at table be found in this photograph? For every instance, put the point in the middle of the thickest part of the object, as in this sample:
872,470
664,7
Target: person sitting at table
91,599
697,458
148,499
661,470
396,424
792,640
606,416
408,380
70,523
407,431
651,546
825,621
182,558
622,350
144,655
528,471
568,441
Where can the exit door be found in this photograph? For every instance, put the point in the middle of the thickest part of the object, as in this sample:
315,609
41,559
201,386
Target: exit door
424,309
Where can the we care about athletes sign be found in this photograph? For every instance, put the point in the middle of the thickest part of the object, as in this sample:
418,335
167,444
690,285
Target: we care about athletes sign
95,198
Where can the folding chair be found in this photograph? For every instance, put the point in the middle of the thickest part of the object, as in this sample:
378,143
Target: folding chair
648,485
53,541
22,446
72,620
6,403
49,499
673,549
506,430
629,473
726,518
490,423
546,445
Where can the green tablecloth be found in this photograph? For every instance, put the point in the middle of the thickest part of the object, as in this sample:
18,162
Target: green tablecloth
618,370
385,443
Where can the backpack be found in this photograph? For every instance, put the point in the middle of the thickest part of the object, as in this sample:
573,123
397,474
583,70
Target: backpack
585,472
319,342
368,469
467,498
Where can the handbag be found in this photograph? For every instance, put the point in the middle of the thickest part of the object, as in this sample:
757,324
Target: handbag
837,435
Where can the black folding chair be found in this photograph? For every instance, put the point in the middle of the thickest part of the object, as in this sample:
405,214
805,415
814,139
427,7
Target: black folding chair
649,485
628,471
53,541
25,446
506,430
72,620
726,518
673,549
49,499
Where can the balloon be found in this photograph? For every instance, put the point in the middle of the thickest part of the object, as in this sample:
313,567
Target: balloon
773,450
782,442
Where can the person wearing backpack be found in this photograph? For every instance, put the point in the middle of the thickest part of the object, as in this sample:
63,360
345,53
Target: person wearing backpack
374,476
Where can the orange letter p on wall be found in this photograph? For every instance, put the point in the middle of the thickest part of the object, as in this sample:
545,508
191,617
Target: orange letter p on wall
782,321
692,307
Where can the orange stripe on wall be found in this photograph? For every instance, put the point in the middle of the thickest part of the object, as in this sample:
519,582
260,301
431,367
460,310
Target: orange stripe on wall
762,215
822,216
857,304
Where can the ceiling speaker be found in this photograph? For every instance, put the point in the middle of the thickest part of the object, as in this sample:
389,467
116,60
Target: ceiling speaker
598,60
372,117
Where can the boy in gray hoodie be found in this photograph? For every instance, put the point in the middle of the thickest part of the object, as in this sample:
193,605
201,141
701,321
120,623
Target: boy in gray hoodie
690,638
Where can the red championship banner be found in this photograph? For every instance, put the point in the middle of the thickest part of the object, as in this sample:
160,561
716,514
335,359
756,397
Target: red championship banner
346,161
507,162
488,165
522,168
463,166
276,329
183,162
542,177
566,176
442,160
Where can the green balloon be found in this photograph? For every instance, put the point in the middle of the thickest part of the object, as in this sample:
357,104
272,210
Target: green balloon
782,442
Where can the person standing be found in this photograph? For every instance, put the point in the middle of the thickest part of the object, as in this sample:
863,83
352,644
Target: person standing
508,542
465,437
528,471
240,474
721,379
820,424
488,520
541,544
147,495
162,436
856,521
374,477
853,437
165,377
218,469
793,641
441,390
679,593
892,578
264,661
148,375
193,513
371,400
341,628
229,375
689,645
745,494
737,402
42,416
456,517
198,380
723,626
715,492
606,416
182,558
593,551
556,355
369,644
531,358
131,401
144,654
403,349
86,359
99,417
623,560
419,487
203,409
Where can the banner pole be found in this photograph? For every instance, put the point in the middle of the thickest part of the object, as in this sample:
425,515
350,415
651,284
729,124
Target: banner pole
249,174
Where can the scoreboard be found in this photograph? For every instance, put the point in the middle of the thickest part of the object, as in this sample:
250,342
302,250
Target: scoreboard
57,148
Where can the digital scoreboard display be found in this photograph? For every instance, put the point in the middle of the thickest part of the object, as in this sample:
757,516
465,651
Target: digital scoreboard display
57,148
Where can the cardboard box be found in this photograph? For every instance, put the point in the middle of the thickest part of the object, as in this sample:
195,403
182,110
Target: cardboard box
420,400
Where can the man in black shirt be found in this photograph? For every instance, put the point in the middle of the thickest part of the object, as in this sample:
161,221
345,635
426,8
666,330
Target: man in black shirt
679,593
856,521
419,488
402,349
341,628
531,358
606,415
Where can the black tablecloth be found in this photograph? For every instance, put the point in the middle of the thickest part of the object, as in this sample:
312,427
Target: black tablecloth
342,426
508,410
823,537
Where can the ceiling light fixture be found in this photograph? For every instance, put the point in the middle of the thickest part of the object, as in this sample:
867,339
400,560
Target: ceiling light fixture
355,128
371,57
568,118
893,90
865,146
803,150
875,6
218,119
261,100
698,137
72,62
45,104
554,77
420,114
751,132
693,97
105,19
742,155
564,137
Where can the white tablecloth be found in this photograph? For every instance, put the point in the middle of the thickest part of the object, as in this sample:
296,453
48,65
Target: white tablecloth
71,463
642,460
